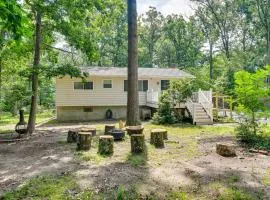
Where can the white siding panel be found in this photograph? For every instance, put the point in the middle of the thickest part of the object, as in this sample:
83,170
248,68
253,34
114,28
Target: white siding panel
99,96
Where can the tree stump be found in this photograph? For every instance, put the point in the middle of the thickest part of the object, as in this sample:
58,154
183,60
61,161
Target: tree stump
137,143
134,130
156,138
89,130
108,127
105,146
72,136
162,131
84,141
226,150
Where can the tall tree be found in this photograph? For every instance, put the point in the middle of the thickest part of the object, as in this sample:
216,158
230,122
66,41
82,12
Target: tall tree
150,31
37,55
133,97
186,38
263,12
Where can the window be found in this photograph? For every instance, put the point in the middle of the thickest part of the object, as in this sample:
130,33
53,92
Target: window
142,85
88,109
107,84
165,84
83,86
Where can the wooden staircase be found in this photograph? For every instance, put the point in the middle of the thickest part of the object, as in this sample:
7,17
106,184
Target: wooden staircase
200,108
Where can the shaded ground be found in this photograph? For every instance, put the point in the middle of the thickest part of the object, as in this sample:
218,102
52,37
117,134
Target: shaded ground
188,163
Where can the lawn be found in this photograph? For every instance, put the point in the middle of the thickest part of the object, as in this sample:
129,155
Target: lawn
187,168
8,121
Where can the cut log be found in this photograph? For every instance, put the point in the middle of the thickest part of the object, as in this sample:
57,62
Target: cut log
72,136
108,127
137,143
162,131
226,150
84,141
156,138
105,146
89,130
134,130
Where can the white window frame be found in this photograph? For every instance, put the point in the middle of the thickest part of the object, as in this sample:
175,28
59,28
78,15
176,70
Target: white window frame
107,80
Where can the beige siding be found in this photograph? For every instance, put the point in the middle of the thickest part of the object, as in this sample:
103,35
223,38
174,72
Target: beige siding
99,96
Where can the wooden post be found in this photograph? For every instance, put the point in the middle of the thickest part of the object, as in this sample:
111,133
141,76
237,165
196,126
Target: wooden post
108,127
84,141
72,136
231,105
131,130
137,143
105,146
217,104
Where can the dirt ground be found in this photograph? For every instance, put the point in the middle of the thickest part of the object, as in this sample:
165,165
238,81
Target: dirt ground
185,162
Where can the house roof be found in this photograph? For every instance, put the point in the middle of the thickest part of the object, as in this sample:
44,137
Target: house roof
142,72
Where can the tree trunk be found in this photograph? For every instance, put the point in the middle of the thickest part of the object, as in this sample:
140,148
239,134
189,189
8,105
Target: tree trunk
133,97
33,109
268,46
211,60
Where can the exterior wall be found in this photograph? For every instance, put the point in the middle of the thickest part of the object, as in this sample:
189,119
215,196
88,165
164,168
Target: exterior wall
99,96
72,113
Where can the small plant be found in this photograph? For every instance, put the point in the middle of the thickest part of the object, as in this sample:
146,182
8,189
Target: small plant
164,114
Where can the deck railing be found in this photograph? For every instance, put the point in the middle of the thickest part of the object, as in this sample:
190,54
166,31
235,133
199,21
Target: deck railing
152,97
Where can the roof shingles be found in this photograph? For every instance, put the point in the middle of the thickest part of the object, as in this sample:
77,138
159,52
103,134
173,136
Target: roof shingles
142,72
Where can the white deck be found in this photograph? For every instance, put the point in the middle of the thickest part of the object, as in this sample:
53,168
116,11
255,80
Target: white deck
200,105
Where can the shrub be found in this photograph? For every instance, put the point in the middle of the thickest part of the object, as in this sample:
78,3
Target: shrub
164,114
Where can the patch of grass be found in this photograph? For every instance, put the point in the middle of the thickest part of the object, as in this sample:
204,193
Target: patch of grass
45,187
123,193
181,195
91,157
8,121
137,159
266,178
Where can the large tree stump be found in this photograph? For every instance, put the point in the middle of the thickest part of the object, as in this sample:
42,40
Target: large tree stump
108,127
89,130
137,143
134,130
72,136
156,138
84,141
105,146
162,131
226,150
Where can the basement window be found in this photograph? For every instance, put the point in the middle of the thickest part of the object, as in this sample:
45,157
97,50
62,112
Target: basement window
88,109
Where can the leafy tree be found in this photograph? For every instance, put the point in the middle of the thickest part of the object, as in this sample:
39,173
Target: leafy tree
150,31
186,39
251,91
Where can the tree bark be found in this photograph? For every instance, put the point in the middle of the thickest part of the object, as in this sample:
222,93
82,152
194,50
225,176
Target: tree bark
133,97
33,109
268,46
211,60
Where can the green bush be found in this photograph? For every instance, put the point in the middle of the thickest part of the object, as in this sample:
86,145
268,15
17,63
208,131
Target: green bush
164,114
258,140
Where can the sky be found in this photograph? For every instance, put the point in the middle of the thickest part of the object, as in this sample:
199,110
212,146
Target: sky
167,7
